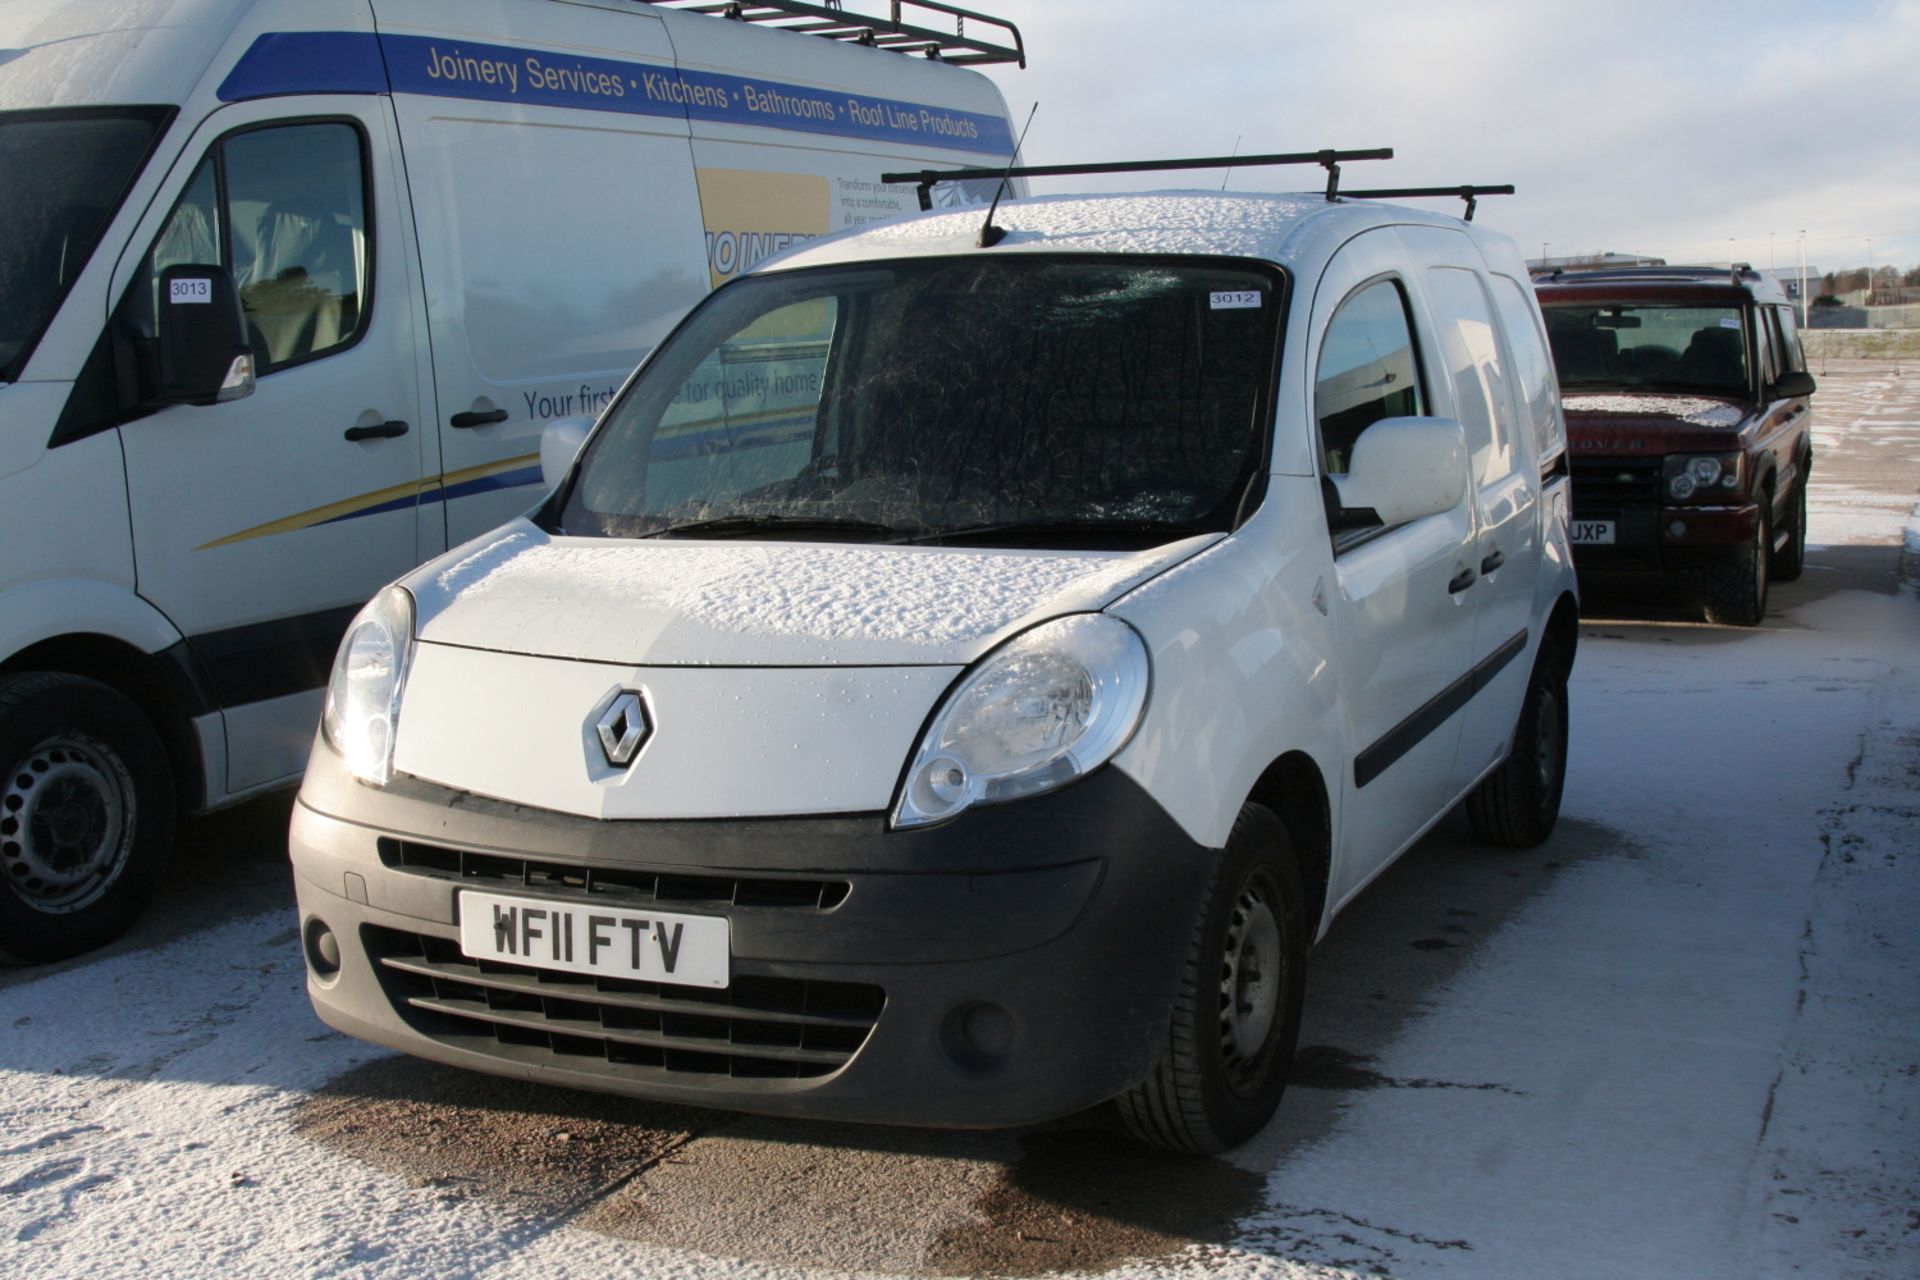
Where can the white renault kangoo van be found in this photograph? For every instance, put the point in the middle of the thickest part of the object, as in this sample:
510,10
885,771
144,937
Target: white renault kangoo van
288,292
956,685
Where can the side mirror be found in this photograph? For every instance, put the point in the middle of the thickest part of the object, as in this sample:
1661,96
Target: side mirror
1792,386
560,443
201,334
1406,468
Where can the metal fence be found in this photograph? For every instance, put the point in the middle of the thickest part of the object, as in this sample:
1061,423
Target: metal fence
1902,317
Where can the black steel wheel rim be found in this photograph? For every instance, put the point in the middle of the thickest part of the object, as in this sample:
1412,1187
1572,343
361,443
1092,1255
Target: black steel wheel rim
66,823
1253,982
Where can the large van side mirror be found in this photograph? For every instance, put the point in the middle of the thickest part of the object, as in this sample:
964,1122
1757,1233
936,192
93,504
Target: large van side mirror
1792,386
560,442
201,335
1406,468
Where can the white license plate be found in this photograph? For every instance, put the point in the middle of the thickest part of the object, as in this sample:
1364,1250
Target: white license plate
606,942
1593,533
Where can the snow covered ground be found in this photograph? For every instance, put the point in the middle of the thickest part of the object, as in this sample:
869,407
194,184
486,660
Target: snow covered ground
1683,1039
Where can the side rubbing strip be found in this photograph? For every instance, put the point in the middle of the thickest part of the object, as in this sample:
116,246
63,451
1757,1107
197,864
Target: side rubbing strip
1409,733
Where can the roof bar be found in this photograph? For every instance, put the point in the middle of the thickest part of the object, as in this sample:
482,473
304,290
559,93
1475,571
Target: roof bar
1471,194
1328,158
890,32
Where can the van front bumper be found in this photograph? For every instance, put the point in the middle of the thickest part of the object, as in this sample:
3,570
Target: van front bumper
1016,964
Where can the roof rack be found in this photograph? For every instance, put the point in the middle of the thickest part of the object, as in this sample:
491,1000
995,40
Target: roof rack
1328,159
1735,274
1470,193
891,32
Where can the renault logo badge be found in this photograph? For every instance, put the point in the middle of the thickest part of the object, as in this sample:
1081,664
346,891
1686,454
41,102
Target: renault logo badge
623,727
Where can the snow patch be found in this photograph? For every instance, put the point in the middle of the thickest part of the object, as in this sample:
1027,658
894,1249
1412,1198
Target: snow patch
840,603
1695,411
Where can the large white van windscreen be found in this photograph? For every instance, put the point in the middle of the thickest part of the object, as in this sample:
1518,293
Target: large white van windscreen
1019,400
66,171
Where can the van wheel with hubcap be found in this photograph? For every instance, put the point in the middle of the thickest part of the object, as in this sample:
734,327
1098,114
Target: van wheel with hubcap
1518,804
1792,558
1736,591
86,814
1237,1014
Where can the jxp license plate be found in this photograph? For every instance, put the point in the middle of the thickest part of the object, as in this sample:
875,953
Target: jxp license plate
1598,533
607,942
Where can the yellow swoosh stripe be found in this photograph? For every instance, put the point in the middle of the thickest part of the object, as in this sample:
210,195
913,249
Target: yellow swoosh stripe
347,506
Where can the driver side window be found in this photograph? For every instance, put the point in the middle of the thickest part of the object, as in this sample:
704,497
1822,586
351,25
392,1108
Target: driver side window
1368,371
284,210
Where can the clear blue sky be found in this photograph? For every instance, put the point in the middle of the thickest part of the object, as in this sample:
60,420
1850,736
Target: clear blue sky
1663,127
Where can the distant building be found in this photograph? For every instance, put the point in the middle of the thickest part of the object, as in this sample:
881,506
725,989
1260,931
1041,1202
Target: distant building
1789,277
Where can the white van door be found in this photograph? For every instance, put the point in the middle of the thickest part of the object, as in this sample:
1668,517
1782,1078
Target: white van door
1505,483
1405,615
558,221
260,525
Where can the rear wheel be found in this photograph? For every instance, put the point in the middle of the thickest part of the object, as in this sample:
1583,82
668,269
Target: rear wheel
1518,804
86,814
1230,1044
1736,591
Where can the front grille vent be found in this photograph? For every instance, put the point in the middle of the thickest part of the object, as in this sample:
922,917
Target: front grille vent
632,885
1614,482
757,1029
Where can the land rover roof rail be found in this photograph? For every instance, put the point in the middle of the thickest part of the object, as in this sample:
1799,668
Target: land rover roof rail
893,31
1737,274
1327,158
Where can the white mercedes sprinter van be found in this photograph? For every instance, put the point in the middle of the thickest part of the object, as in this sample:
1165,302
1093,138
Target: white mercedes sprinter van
287,293
955,685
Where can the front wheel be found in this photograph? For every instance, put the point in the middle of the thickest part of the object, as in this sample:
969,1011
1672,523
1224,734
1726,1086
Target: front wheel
1230,1044
1736,591
86,814
1518,804
1791,560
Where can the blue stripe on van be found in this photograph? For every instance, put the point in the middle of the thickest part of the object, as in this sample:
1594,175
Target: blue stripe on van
484,484
285,62
350,62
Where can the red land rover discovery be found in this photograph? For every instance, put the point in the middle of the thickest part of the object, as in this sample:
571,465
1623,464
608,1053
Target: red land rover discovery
1689,426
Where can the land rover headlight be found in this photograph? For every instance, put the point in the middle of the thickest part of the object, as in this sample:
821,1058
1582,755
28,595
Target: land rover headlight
363,695
1701,477
1054,703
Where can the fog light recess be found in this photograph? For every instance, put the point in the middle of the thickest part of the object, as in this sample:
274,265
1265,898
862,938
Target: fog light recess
979,1037
323,950
1678,529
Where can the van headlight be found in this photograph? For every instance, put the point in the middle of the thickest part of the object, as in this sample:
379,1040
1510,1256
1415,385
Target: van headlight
363,694
1054,703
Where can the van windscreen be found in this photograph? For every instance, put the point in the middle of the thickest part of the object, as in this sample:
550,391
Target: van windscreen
66,172
1015,400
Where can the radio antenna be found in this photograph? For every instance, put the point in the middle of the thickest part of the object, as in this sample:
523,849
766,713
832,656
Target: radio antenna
991,235
1236,152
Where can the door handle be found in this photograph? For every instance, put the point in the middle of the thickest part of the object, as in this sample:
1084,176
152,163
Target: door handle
378,431
1461,581
1493,561
474,418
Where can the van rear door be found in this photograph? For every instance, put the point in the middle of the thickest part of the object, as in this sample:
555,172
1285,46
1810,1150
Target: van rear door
558,223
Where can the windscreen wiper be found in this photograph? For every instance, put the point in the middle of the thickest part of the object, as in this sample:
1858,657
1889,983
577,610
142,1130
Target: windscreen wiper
1091,528
741,523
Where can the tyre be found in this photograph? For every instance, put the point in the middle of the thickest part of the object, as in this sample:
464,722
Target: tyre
1791,560
1736,591
86,814
1237,1015
1518,804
